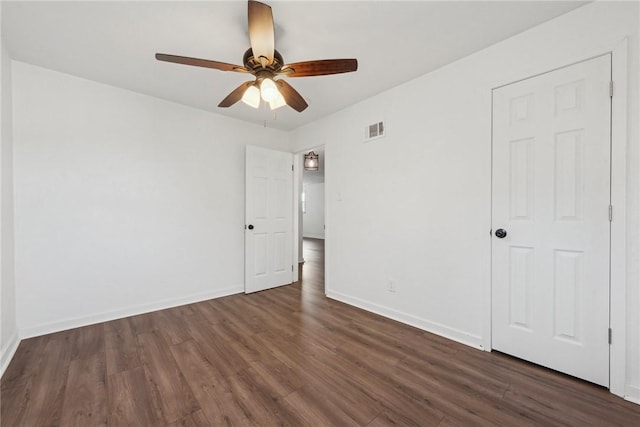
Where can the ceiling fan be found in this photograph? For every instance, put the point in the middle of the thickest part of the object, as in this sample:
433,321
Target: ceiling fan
266,63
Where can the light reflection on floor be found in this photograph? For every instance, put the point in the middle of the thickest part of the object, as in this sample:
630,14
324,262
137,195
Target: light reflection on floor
311,271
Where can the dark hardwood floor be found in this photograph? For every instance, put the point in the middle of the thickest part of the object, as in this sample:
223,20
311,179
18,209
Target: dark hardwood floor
287,356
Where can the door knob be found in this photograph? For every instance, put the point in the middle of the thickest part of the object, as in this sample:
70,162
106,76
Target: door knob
501,233
250,227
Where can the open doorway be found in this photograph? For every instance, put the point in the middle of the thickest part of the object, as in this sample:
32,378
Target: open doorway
312,219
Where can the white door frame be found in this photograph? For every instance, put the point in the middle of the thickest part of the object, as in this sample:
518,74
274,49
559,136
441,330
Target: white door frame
297,183
618,281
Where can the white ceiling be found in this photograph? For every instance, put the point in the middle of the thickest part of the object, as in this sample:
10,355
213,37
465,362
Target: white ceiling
115,42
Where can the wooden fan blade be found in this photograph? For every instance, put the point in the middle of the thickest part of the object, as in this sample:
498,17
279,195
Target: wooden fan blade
261,32
196,62
320,67
235,96
291,96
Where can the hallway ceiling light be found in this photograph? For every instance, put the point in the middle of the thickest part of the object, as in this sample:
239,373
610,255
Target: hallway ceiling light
311,161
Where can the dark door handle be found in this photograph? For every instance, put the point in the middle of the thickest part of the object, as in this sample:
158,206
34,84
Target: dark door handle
250,227
501,233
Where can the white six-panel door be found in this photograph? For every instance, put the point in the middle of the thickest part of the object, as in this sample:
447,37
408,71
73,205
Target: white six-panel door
268,219
551,194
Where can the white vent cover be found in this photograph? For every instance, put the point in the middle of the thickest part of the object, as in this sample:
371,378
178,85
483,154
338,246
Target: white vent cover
374,131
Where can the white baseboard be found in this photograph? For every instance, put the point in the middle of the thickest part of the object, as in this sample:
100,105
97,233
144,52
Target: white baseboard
8,352
424,324
77,322
632,394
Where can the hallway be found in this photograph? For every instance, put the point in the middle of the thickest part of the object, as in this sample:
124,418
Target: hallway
312,270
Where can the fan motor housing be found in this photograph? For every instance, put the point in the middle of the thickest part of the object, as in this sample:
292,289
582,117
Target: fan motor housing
254,65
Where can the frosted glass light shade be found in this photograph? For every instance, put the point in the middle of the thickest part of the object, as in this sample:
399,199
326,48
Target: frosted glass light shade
252,97
278,102
268,90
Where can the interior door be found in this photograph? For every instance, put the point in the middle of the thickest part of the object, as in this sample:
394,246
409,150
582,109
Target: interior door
268,219
551,219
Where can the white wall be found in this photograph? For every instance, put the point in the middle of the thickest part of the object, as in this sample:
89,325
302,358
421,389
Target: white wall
124,203
8,328
313,219
415,208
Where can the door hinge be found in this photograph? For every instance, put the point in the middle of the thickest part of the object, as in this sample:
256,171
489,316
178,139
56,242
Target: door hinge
610,89
291,267
610,334
610,213
291,168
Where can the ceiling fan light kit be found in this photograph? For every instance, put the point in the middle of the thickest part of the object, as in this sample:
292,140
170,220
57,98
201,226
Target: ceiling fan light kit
266,63
251,96
268,90
277,102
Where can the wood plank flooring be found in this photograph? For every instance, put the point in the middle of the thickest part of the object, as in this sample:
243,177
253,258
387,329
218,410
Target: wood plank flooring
287,356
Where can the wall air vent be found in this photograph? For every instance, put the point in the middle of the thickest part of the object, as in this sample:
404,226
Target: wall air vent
374,131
